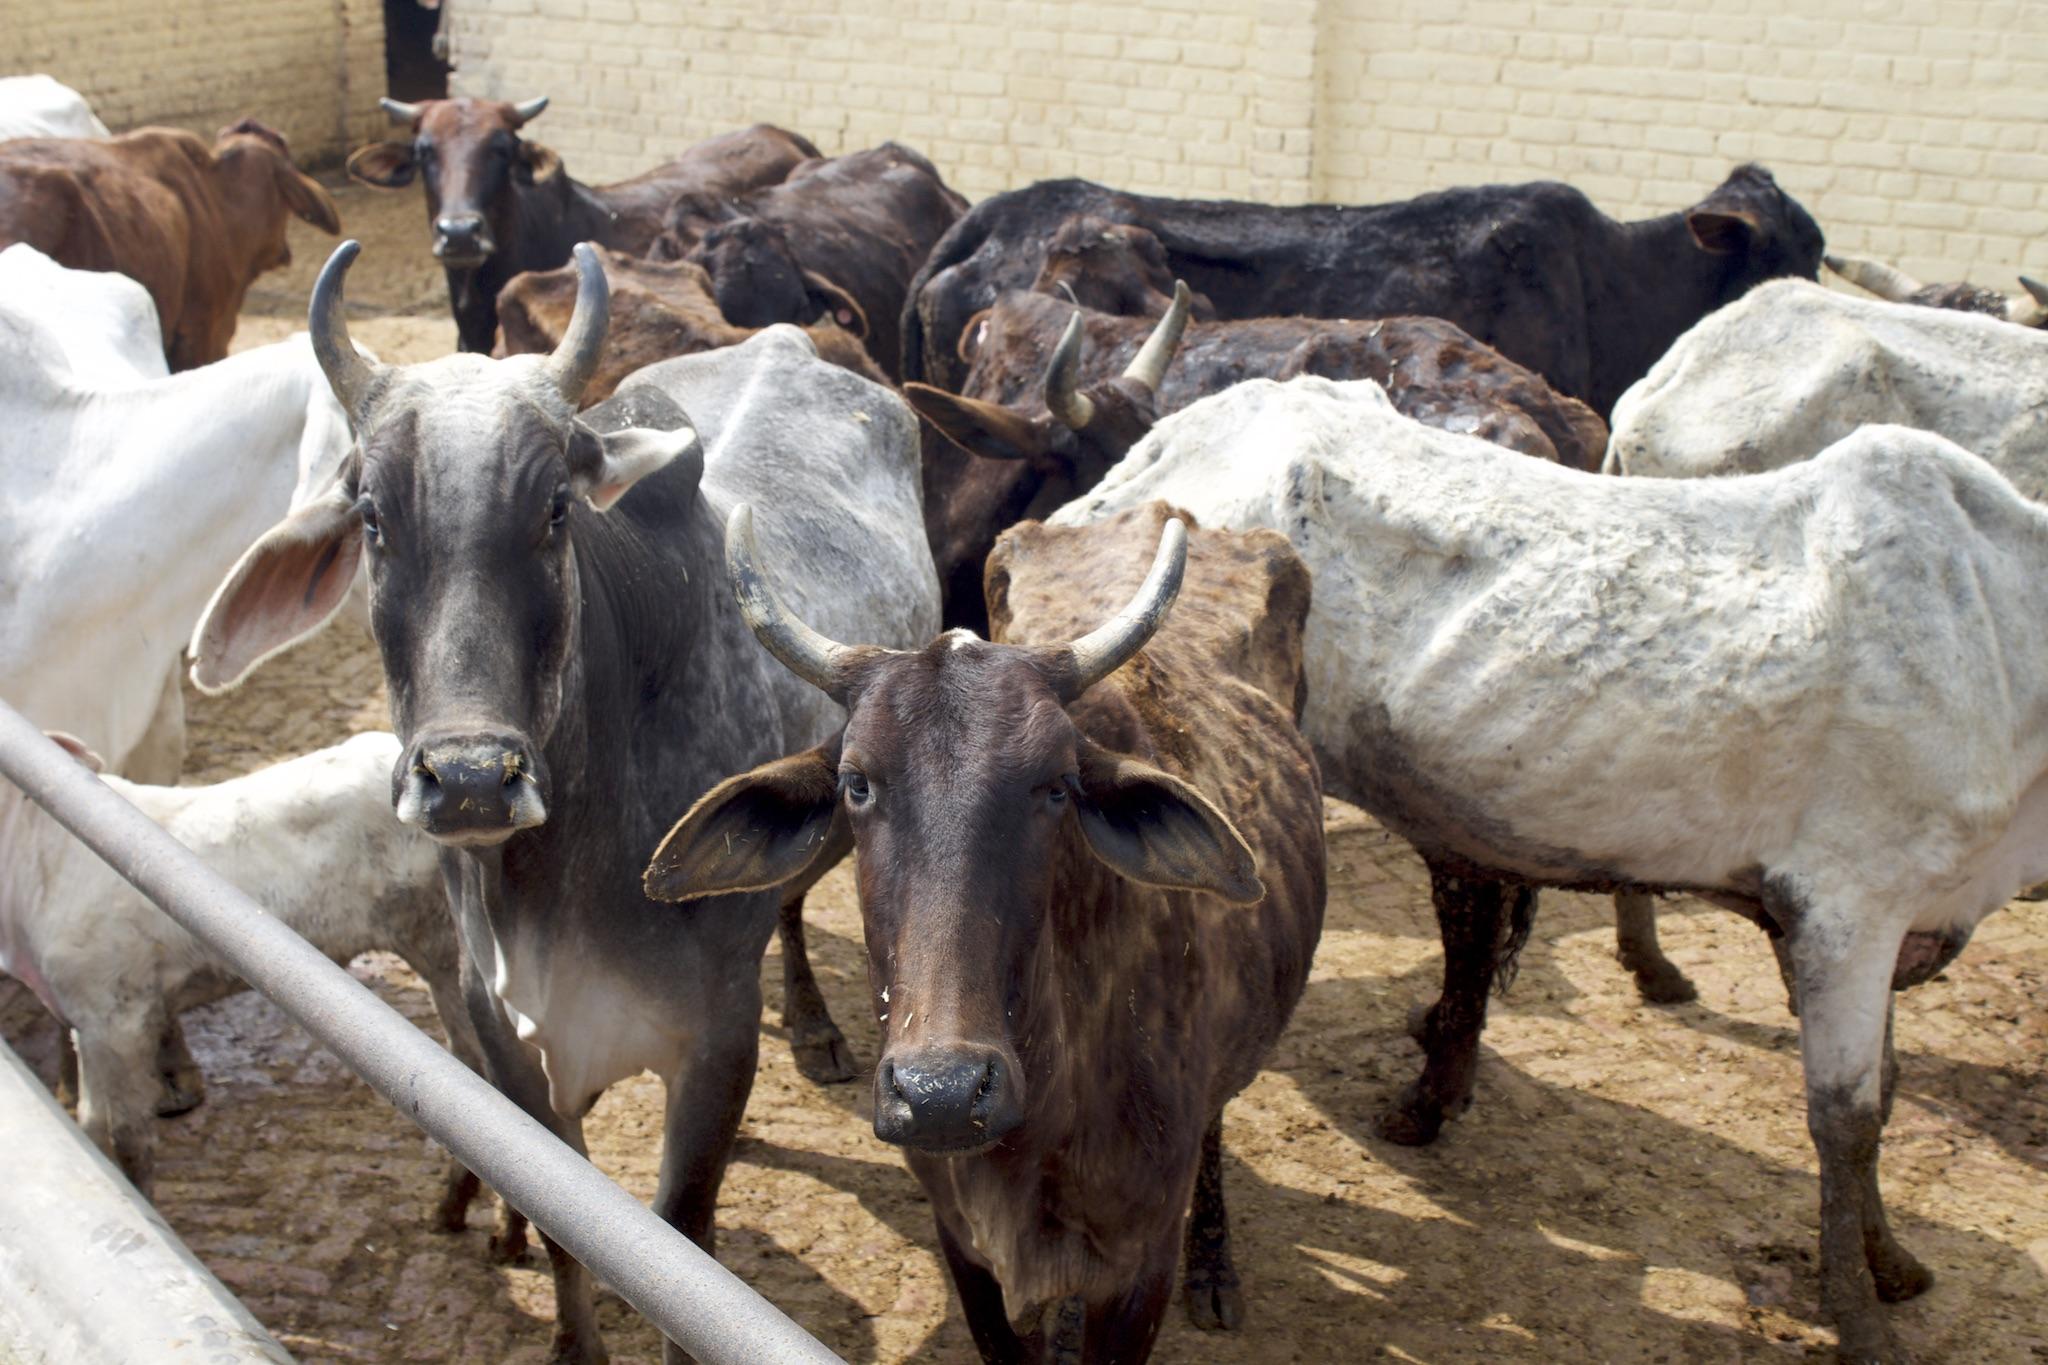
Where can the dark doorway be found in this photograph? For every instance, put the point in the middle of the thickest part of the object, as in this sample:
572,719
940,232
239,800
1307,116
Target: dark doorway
411,70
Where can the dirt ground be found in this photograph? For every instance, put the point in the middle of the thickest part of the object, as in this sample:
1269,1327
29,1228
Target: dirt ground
1633,1184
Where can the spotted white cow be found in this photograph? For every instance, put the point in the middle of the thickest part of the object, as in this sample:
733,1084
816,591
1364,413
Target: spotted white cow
1819,696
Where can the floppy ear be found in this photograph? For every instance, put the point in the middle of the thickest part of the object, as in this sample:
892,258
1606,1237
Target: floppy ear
537,163
78,749
307,198
834,302
753,831
972,336
981,428
617,443
386,165
1722,232
287,585
1154,828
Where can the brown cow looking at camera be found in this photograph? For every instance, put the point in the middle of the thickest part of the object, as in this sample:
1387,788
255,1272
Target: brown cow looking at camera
659,309
499,204
194,225
1090,894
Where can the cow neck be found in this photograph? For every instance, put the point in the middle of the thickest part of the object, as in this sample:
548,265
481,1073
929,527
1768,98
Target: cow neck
1670,285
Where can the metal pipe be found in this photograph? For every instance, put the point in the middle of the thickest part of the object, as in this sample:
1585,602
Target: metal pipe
92,1271
696,1302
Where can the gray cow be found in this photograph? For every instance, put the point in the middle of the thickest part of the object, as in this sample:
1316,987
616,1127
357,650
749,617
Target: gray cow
565,674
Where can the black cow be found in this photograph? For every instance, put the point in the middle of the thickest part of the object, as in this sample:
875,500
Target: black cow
1533,270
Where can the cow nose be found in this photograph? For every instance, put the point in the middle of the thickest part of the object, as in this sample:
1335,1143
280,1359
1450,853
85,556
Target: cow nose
470,789
945,1099
460,234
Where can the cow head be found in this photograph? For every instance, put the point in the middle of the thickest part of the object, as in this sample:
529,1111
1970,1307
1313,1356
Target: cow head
757,278
469,155
461,492
1895,285
967,788
1082,430
261,188
1757,230
1113,267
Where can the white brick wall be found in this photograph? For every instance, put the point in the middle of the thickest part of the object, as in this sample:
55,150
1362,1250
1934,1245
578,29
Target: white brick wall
312,69
1914,129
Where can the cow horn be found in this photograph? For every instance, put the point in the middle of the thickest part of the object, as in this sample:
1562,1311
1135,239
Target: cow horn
818,661
1887,282
526,111
1067,403
348,374
576,354
2031,311
1103,650
399,110
1148,367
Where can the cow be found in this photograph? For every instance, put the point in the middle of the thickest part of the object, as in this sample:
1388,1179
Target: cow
563,673
1091,873
660,309
42,106
1786,372
195,225
1889,282
311,838
1109,267
1533,270
1818,696
499,204
840,238
130,493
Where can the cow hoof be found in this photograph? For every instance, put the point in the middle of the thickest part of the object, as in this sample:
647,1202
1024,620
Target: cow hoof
182,1093
570,1351
508,1245
1410,1123
1214,1299
1664,984
1870,1342
1899,1275
824,1056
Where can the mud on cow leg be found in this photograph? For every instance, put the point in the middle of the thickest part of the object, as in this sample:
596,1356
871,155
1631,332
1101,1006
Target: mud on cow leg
1658,979
1483,924
1214,1296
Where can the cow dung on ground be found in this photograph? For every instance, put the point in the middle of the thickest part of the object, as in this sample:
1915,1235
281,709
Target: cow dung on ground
1638,1185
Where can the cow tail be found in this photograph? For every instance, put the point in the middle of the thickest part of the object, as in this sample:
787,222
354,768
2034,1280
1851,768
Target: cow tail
1514,934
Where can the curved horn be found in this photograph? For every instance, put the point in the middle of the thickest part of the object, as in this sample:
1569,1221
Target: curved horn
348,374
576,354
1887,282
1148,367
2031,311
399,110
817,660
526,111
1103,650
1066,402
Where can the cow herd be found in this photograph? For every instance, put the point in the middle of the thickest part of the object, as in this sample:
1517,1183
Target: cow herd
1051,558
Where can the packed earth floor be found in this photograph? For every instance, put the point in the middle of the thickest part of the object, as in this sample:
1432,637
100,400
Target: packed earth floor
1634,1183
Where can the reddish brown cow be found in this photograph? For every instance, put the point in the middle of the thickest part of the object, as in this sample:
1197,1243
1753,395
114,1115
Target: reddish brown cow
659,309
1110,267
841,237
499,205
1090,893
194,225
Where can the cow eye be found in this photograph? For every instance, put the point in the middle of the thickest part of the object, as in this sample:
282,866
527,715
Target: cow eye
558,510
373,533
855,784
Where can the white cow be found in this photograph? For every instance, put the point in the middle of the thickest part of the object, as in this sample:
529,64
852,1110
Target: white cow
129,495
1818,695
1791,368
41,106
312,839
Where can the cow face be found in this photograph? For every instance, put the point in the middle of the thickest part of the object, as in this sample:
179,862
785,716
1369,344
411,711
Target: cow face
1112,267
1758,230
461,495
472,161
758,281
974,801
260,188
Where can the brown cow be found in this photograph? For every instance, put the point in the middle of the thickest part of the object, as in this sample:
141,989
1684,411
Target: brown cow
841,237
194,225
659,309
1110,267
1090,893
499,205
1891,283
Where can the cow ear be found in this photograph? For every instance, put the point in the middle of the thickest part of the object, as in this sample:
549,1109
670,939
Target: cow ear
78,749
833,302
982,428
307,198
536,163
1723,232
972,337
1154,828
288,585
607,464
386,165
753,831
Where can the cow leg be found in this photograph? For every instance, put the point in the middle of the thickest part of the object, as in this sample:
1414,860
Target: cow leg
1898,1274
822,1052
1658,979
440,966
1781,948
1481,923
117,1086
67,1067
981,1300
1845,996
1213,1295
1124,1329
183,1085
